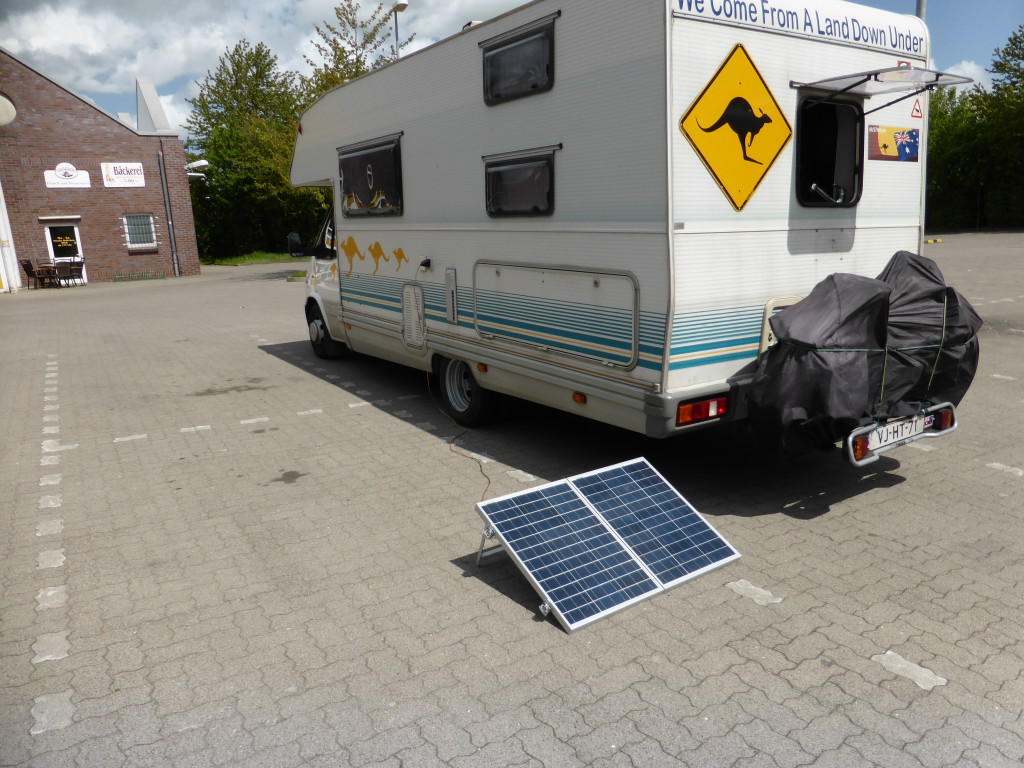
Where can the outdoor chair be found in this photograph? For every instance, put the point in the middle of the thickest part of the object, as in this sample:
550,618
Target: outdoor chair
64,276
41,274
30,272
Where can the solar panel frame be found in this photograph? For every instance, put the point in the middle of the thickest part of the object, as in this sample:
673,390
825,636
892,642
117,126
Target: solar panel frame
649,537
573,607
651,516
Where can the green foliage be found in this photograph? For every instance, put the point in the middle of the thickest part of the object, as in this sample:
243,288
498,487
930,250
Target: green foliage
258,257
243,123
976,148
351,47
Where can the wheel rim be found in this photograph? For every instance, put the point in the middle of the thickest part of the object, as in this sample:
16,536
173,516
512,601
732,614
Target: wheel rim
316,330
459,385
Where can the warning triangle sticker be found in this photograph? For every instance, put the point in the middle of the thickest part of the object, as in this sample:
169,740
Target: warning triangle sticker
916,111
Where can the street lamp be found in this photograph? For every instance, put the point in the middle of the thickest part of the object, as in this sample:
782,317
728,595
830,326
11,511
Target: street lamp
396,9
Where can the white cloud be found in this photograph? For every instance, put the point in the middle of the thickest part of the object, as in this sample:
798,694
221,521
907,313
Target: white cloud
973,70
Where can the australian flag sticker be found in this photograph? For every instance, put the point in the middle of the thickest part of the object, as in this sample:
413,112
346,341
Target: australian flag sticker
889,143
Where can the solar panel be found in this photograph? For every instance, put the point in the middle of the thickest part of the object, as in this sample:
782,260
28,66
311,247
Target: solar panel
596,543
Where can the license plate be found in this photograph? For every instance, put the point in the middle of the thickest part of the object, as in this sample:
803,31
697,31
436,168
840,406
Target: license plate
898,431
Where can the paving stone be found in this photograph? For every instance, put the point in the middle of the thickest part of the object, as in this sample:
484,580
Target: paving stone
301,590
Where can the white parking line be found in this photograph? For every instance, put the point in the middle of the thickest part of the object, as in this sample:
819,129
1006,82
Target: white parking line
50,480
1003,468
49,527
51,597
257,420
51,446
50,558
759,595
51,646
312,412
129,438
52,712
896,664
200,428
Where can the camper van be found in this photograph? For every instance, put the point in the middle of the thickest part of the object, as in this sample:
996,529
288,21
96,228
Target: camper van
600,206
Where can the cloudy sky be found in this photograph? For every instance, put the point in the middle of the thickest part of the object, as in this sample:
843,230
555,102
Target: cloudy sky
98,47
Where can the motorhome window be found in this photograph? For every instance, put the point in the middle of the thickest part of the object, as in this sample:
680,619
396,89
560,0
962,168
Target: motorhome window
371,180
521,187
829,154
520,65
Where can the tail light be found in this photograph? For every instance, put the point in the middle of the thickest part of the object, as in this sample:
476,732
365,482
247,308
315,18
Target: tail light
943,419
860,447
702,410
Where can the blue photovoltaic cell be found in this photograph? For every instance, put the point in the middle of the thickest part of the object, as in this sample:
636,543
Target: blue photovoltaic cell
581,569
603,540
664,531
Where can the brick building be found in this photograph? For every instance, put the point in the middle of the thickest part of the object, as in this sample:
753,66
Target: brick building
79,185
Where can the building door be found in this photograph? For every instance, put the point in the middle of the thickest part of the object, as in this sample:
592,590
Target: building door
63,243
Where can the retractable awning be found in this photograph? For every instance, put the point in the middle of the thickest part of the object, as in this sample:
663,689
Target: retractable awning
884,81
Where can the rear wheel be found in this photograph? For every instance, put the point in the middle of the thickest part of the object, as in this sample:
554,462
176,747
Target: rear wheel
462,397
323,345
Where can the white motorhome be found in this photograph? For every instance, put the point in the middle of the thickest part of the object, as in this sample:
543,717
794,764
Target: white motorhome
596,205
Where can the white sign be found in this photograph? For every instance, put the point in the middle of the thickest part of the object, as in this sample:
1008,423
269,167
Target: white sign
66,176
123,175
831,20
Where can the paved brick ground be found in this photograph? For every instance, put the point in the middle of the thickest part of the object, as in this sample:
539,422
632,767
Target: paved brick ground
216,549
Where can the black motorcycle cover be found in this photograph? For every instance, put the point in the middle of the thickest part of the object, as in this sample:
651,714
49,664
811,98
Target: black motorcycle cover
823,377
858,350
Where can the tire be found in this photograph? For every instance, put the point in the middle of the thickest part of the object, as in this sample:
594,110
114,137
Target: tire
463,399
323,345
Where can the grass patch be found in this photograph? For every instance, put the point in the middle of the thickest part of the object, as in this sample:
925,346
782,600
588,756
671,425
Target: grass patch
256,257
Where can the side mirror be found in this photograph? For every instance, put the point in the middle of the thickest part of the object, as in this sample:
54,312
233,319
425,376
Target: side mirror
295,244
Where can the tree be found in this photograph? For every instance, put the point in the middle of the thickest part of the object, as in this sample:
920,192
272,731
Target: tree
243,123
1004,117
976,142
351,47
957,159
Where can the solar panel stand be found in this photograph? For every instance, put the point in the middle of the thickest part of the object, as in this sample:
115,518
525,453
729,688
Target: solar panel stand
487,535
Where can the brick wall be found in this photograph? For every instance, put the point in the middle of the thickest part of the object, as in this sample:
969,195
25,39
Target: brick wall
55,126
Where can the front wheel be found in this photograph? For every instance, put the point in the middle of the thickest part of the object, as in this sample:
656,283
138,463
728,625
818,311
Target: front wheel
462,398
323,345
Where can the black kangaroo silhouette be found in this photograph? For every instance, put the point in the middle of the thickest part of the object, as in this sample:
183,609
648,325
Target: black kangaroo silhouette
739,116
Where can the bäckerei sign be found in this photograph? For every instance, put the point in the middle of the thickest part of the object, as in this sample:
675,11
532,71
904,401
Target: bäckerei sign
123,175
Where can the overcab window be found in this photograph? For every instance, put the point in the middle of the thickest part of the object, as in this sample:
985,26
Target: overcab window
521,184
520,63
829,152
371,178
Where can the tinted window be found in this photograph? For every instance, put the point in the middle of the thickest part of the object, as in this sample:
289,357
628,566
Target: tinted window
522,187
520,65
371,180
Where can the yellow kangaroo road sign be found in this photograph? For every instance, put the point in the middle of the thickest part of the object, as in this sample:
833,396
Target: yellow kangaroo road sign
736,127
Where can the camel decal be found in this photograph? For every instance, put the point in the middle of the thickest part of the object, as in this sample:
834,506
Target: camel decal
376,252
351,251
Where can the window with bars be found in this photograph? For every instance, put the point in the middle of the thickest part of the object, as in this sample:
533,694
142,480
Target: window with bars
139,230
